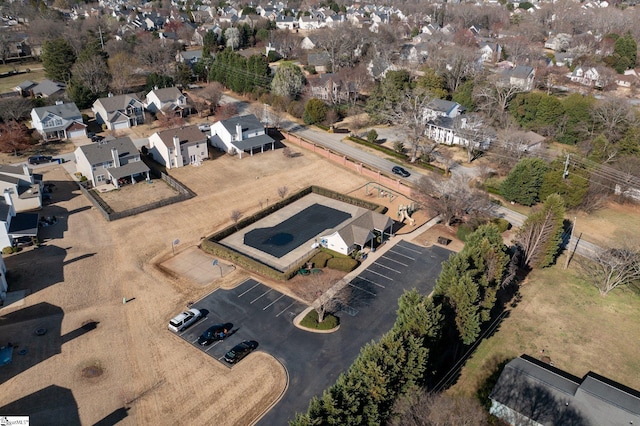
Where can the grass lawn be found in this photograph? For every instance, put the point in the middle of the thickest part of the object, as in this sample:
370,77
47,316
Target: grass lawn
577,328
8,83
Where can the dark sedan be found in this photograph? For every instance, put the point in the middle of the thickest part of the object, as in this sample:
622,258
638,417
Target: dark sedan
397,170
215,333
40,159
240,350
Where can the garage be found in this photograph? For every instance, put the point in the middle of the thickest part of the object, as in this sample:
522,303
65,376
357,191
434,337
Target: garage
76,130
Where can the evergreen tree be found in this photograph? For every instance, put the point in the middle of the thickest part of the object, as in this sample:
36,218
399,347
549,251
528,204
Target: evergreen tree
464,95
523,183
57,59
577,118
625,52
387,93
572,188
540,236
288,80
315,111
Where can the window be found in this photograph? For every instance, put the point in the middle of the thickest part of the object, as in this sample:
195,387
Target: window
100,178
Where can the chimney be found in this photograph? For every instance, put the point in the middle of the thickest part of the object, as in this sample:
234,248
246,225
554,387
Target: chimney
110,95
176,144
116,159
238,132
25,170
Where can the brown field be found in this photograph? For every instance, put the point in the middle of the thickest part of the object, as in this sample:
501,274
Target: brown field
160,377
564,318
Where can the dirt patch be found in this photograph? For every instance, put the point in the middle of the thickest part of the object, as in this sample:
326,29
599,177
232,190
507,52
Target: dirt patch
431,236
136,195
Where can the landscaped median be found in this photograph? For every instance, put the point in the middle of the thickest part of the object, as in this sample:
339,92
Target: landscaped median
308,320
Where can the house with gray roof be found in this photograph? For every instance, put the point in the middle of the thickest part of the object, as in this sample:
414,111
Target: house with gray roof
521,76
241,134
179,147
119,112
358,233
532,392
59,121
25,187
115,161
442,108
167,101
47,88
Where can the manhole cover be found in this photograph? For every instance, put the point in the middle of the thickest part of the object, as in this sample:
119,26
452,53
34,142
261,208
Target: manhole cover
92,371
41,331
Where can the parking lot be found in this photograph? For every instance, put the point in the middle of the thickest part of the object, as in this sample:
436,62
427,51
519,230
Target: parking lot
312,360
255,310
404,265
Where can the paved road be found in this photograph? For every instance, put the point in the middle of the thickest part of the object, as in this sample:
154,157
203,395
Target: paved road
333,142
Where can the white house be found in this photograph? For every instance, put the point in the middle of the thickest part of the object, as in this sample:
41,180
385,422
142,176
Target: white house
442,130
15,225
442,108
26,190
119,112
239,135
59,121
358,233
168,101
522,76
115,161
587,76
179,147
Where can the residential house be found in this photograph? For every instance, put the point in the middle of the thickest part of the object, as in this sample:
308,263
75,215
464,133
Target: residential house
358,233
241,134
59,121
320,61
308,43
445,130
115,161
286,22
15,225
558,43
119,112
329,88
311,23
167,101
45,89
587,76
443,108
189,57
179,147
533,392
414,53
25,187
521,76
490,51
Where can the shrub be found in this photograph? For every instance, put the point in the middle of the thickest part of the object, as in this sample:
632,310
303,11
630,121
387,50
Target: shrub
464,231
399,147
7,250
502,224
346,264
372,136
311,321
296,109
320,259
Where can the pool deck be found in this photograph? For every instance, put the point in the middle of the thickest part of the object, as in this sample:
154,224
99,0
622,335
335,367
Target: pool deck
236,241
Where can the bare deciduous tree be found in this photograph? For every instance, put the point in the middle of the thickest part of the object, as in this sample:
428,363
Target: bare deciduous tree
235,216
122,67
328,291
93,73
612,267
539,236
455,64
451,198
282,191
474,132
15,108
426,408
13,137
409,114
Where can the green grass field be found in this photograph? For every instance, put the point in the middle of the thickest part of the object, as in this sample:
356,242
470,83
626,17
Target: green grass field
576,328
8,83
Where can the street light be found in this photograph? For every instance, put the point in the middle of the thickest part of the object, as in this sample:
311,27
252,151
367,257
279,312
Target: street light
174,243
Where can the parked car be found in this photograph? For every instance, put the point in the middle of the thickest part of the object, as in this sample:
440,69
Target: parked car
184,320
204,127
96,138
39,159
240,350
397,170
215,333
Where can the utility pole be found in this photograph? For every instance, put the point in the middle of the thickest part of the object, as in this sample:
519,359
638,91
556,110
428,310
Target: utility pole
569,255
566,168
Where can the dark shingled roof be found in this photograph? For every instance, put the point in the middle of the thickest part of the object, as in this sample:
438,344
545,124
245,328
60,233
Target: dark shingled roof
97,153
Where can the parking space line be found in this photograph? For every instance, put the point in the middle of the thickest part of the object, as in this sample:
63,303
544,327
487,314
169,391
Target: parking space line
362,289
386,267
212,345
410,249
268,291
283,311
393,260
265,308
245,292
377,273
372,282
403,255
